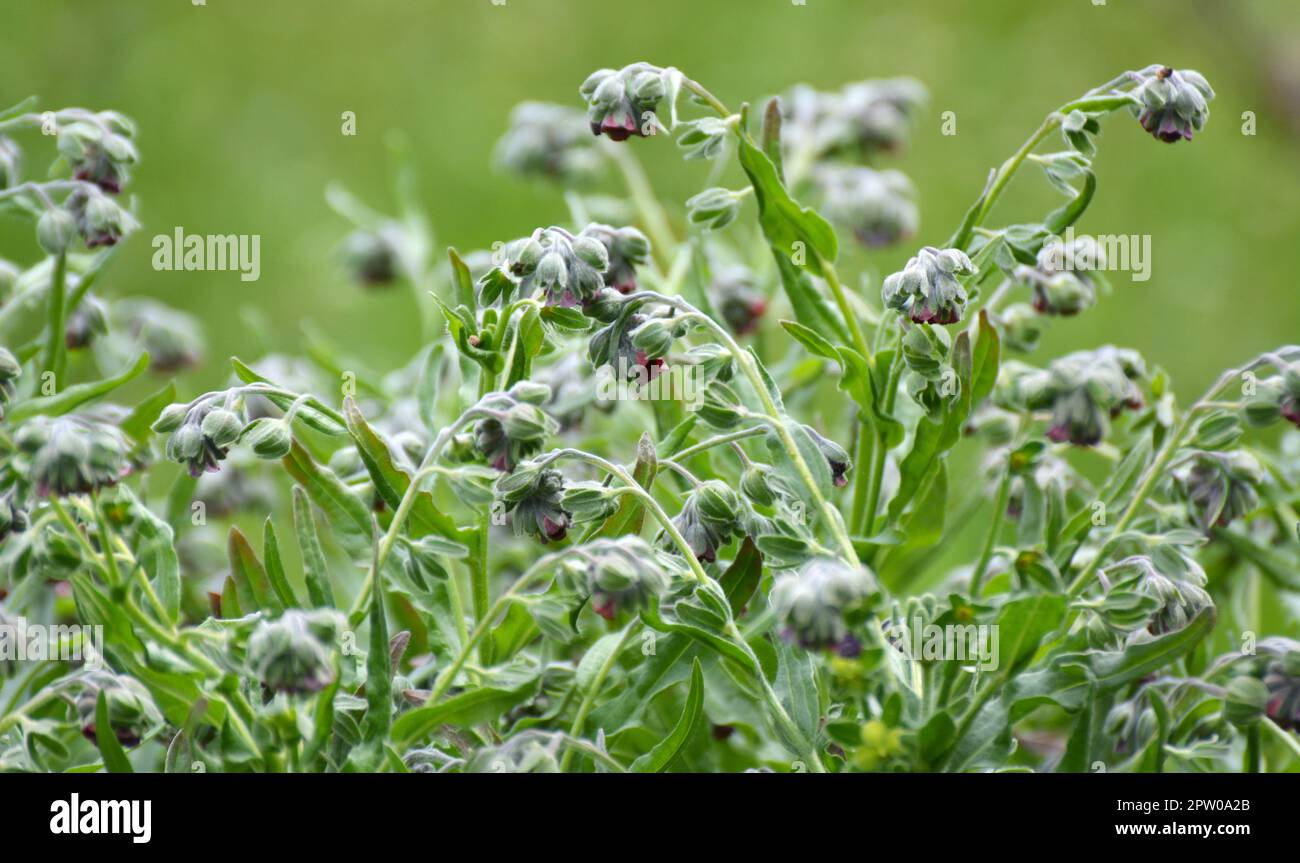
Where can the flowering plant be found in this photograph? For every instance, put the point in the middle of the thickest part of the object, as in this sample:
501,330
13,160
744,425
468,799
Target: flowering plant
473,562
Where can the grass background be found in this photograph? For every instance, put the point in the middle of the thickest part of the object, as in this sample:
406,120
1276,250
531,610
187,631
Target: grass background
239,105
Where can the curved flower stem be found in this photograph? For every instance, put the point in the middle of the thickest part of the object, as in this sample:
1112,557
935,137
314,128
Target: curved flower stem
979,211
771,413
484,624
426,468
1162,460
867,522
718,440
589,697
647,500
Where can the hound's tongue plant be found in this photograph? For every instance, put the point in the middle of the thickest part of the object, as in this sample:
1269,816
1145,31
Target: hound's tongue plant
484,560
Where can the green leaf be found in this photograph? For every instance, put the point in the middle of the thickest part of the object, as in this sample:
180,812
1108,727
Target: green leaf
391,482
462,282
796,686
75,396
1022,624
791,229
661,756
470,708
275,566
815,344
348,515
251,583
115,760
741,578
630,515
984,362
379,675
315,573
811,307
1112,669
935,736
313,411
137,424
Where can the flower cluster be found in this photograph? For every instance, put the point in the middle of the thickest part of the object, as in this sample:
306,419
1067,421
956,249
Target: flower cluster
878,206
534,498
1064,281
549,141
569,270
1172,104
293,652
708,519
515,426
622,103
1220,487
1083,390
860,120
72,454
622,576
812,603
928,289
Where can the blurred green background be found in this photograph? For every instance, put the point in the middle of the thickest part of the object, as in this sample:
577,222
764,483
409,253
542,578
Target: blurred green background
239,103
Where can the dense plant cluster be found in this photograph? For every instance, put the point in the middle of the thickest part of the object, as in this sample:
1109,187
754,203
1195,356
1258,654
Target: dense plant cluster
481,561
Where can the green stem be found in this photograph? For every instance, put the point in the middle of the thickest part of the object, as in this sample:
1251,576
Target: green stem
55,346
983,205
589,697
999,513
657,227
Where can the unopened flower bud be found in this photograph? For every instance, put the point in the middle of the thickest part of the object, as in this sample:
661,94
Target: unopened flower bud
55,230
708,519
268,438
756,484
713,209
1245,701
837,458
222,426
10,371
292,653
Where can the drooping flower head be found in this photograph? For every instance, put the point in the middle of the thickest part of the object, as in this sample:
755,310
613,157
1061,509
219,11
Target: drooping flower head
515,427
734,292
131,709
99,149
292,653
878,206
626,249
812,601
1219,487
858,121
549,141
928,289
622,103
622,575
1064,281
567,269
1172,104
534,498
1084,390
709,518
73,454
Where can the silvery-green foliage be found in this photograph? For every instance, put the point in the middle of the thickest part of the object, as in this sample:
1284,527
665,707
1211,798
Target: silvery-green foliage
638,480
